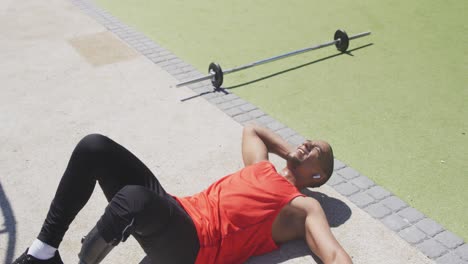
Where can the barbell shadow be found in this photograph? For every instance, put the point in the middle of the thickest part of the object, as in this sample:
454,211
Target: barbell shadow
9,226
204,93
349,52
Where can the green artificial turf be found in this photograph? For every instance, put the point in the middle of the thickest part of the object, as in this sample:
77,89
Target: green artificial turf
396,110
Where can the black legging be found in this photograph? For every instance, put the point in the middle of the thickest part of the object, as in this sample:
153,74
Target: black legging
161,226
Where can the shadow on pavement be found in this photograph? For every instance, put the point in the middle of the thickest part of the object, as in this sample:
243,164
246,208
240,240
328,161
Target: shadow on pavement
204,93
337,212
145,260
288,251
9,226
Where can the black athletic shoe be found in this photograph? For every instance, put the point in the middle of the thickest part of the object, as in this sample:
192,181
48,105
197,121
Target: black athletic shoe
28,259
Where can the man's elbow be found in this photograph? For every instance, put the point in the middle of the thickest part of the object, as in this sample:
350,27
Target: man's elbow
251,129
251,126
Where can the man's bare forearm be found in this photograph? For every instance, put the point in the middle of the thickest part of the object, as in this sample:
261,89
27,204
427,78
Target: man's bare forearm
319,237
274,143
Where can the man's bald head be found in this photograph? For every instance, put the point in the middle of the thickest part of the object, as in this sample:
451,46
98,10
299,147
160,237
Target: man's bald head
312,163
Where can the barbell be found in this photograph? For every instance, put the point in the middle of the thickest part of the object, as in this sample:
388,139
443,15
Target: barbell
216,73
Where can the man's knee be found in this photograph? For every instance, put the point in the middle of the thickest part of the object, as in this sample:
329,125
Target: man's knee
93,144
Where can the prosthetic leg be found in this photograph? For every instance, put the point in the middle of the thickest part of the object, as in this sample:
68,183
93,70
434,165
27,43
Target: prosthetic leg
94,248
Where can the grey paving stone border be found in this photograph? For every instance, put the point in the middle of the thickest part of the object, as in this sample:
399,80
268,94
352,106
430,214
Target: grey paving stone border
414,227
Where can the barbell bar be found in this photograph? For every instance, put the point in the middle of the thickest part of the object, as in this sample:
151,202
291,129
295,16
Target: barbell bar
216,74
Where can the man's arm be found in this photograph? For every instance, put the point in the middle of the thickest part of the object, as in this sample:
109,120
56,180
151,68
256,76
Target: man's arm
258,141
318,235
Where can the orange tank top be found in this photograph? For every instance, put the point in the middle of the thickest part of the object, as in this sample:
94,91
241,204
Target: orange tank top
234,216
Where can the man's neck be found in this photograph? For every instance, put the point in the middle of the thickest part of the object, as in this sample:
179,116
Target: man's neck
289,176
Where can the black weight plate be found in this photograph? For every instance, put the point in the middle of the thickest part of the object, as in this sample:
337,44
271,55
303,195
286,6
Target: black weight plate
343,44
217,79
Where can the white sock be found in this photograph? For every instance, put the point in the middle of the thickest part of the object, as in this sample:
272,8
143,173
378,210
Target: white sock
41,250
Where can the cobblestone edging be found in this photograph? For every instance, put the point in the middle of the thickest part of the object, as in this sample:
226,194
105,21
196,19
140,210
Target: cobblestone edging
418,230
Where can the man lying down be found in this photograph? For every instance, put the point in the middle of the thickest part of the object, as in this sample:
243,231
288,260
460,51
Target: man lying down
246,213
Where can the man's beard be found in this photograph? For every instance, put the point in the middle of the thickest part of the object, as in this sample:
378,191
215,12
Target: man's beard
293,161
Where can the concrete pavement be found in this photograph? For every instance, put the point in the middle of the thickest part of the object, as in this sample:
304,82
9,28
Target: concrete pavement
64,75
